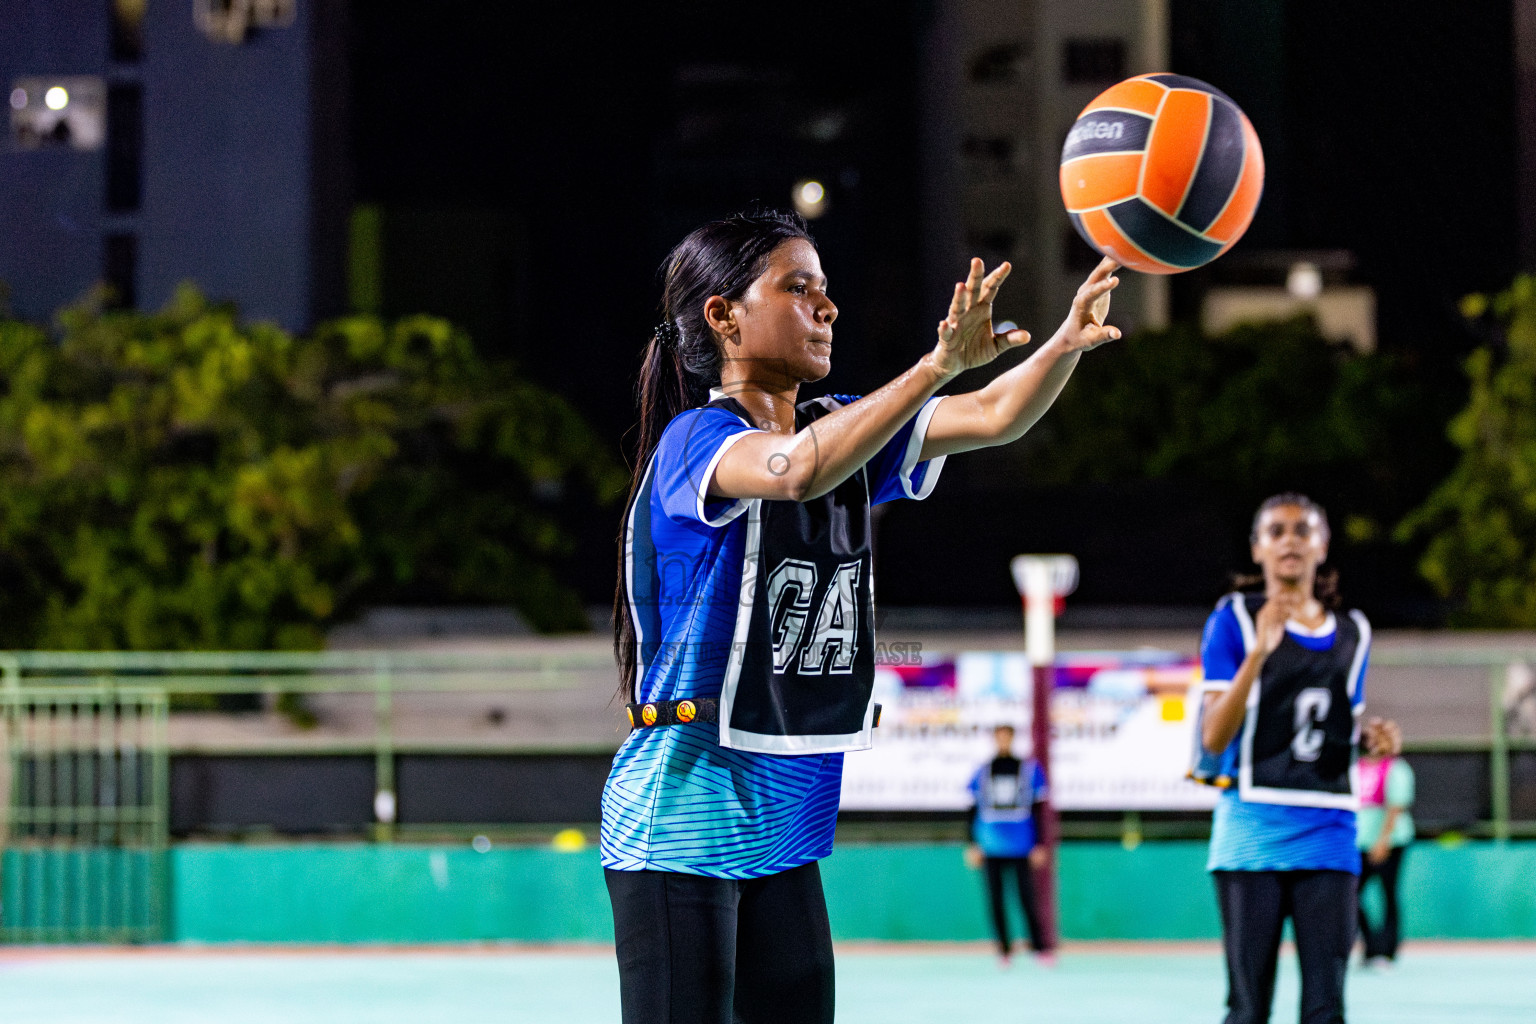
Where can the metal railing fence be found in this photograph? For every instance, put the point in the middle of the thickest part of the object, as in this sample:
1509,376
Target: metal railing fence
383,675
83,814
84,764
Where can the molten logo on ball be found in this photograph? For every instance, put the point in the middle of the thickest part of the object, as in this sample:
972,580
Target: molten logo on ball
1163,173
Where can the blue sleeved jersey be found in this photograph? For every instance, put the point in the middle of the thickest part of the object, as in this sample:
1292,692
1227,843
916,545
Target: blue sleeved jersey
1290,796
677,799
1005,790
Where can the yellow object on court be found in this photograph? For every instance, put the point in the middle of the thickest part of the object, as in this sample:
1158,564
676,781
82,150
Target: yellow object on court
569,840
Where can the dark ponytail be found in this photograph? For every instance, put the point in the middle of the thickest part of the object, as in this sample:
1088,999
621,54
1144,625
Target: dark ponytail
1325,585
682,361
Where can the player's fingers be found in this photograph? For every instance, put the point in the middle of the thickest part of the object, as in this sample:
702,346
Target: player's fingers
1093,289
973,279
993,281
1106,267
1011,339
959,302
1097,335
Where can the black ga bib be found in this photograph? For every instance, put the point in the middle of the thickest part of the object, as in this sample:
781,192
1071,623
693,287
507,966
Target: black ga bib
801,674
1300,732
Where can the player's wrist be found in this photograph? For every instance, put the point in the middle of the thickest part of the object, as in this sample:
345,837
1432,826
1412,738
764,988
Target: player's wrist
940,369
1059,345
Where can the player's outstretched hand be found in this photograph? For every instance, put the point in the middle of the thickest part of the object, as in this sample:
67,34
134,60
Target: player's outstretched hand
966,339
1085,327
1269,624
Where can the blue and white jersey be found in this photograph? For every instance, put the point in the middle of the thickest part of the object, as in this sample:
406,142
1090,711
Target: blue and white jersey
1006,790
1292,807
677,799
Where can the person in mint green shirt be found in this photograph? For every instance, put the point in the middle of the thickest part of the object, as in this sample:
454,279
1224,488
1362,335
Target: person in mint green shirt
1383,830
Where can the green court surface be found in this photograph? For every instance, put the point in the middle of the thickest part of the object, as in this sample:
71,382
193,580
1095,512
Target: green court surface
1148,984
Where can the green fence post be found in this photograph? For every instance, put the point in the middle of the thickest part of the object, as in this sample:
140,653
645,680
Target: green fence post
160,814
384,802
1498,753
1130,830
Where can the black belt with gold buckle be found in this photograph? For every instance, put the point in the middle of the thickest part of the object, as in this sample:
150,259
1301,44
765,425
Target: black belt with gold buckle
681,712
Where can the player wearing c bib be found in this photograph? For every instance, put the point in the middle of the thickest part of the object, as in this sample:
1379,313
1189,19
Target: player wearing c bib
1284,689
744,613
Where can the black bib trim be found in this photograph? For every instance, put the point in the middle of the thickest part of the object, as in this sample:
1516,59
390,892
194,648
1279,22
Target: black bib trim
802,667
1301,727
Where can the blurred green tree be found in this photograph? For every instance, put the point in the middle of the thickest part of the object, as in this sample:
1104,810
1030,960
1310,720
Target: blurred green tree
1481,521
180,480
1228,419
1262,407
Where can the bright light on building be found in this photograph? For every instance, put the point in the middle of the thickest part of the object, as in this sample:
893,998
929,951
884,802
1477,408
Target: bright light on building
18,99
1304,281
810,199
57,98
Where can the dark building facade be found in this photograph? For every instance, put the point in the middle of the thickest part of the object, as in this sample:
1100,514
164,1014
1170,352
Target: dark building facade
155,143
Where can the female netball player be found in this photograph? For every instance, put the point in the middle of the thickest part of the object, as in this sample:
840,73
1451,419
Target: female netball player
743,614
1285,685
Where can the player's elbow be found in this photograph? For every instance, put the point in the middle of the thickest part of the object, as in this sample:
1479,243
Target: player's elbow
796,492
988,419
1005,425
794,474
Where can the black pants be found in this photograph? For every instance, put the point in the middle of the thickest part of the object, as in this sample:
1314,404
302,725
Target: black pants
1019,866
1254,906
1382,941
696,950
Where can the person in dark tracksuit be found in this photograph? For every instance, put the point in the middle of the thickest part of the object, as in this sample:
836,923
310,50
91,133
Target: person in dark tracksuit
1278,728
1007,794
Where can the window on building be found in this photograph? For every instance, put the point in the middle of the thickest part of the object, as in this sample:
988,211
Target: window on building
58,111
125,147
1094,61
127,29
120,269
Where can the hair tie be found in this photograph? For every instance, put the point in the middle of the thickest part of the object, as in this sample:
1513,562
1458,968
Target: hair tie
668,334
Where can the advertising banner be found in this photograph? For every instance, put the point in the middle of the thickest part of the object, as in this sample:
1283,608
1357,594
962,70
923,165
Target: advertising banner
1122,731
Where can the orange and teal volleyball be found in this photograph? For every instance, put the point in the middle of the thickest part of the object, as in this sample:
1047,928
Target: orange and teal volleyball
1162,173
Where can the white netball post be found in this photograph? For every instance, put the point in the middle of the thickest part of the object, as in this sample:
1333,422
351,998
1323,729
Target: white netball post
1044,581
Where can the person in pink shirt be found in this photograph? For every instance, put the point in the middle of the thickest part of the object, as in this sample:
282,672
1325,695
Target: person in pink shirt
1384,828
